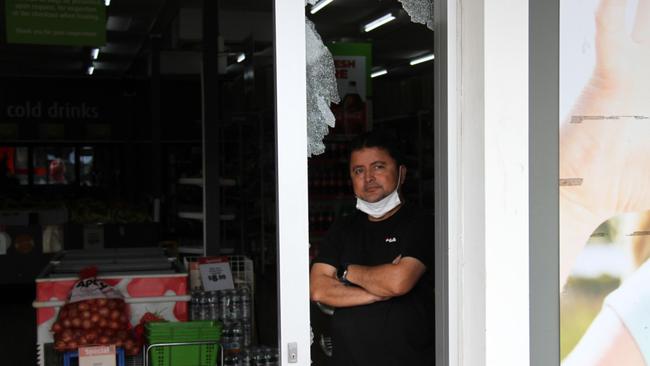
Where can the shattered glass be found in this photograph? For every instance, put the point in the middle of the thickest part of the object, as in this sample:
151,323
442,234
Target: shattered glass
321,90
420,11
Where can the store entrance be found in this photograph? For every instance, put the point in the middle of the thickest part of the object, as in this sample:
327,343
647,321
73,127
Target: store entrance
381,60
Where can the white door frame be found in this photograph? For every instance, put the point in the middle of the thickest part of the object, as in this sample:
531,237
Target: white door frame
291,170
488,185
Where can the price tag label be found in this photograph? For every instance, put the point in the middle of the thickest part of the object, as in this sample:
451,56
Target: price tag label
215,273
93,237
97,356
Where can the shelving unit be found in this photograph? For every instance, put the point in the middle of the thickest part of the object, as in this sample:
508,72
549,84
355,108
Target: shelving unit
330,192
246,193
224,182
198,215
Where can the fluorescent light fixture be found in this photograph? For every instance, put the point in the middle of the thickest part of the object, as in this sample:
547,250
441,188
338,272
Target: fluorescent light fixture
107,2
379,72
319,5
91,69
241,57
378,22
94,53
118,23
422,59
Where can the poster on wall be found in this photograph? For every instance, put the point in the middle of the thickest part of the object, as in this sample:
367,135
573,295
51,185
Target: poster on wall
604,192
353,62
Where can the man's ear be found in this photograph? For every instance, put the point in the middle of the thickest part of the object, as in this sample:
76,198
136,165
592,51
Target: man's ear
402,174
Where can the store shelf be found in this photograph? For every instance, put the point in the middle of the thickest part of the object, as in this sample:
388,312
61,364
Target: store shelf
191,249
199,216
224,182
191,215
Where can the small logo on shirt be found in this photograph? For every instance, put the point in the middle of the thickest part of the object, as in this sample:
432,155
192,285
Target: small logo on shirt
391,240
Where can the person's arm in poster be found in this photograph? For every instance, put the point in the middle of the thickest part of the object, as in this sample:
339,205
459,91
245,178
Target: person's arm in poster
604,162
606,342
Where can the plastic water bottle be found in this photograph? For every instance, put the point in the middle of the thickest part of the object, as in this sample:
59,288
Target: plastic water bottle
237,336
245,358
224,305
270,357
248,333
195,307
236,305
258,357
204,312
229,360
245,303
226,336
213,304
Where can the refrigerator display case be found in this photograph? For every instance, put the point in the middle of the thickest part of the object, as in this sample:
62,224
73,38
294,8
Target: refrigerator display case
148,280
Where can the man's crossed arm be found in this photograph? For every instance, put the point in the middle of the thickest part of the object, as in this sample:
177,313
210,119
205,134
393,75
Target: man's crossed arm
373,283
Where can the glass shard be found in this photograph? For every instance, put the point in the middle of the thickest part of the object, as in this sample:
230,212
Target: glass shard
420,11
321,90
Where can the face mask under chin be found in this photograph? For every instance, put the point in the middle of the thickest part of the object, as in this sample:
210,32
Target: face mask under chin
381,207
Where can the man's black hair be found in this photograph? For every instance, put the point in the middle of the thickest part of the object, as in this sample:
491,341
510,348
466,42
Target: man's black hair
378,139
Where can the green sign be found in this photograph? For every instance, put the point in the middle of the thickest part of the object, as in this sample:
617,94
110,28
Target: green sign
361,51
352,64
56,22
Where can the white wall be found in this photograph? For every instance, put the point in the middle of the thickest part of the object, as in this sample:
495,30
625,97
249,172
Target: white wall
467,235
488,146
506,182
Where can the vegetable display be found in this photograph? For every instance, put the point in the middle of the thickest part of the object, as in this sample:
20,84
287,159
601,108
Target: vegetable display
95,314
94,322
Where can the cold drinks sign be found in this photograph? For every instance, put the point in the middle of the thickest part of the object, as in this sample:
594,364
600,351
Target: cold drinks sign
353,63
30,110
53,110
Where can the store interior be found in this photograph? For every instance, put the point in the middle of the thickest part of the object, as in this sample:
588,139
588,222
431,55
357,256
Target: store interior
164,137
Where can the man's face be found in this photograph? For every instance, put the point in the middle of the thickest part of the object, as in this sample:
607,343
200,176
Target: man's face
374,173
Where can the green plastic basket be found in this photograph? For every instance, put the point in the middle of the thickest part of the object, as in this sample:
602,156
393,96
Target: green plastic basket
178,332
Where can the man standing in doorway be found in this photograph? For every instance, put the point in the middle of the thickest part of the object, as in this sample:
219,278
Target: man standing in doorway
375,267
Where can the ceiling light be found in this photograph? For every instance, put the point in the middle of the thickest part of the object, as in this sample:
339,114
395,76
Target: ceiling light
241,57
378,22
378,72
421,59
107,2
91,69
319,5
118,23
94,53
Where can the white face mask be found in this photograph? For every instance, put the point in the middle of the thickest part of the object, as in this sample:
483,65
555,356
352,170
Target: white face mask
384,205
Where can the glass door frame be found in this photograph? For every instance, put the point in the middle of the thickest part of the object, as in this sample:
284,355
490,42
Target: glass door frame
292,195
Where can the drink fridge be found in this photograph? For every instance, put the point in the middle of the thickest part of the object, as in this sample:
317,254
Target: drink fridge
148,280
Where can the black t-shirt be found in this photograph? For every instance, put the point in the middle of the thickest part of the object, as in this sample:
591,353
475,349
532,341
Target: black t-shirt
399,331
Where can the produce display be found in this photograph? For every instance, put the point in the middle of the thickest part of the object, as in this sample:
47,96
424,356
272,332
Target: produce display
95,314
94,322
